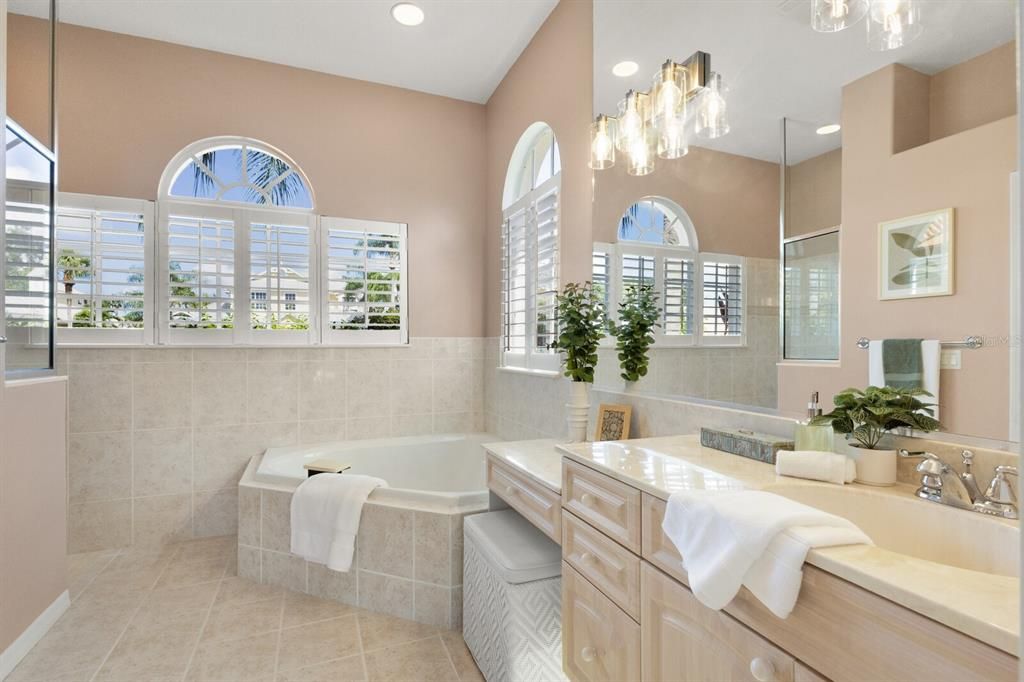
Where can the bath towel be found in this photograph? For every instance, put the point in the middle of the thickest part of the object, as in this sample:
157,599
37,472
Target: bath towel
325,517
750,538
817,466
930,356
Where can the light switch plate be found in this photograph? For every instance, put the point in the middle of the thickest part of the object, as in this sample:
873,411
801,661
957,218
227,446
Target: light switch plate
950,359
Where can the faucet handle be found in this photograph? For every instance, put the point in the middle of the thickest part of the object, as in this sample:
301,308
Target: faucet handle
1000,490
968,459
1006,469
908,454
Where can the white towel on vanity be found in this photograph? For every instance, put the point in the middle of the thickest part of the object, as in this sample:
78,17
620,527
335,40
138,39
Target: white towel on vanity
752,538
817,466
931,360
325,517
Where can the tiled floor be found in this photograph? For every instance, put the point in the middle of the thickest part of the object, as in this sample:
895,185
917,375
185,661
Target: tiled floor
181,614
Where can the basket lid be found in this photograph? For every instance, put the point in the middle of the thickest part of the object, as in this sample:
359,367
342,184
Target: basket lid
514,548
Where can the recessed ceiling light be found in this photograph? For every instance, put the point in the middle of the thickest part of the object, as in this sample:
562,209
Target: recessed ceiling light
407,14
829,129
625,69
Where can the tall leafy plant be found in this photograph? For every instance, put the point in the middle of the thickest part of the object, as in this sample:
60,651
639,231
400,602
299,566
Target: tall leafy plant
581,323
868,415
639,314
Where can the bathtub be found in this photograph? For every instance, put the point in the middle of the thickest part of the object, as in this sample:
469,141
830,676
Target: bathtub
408,561
440,472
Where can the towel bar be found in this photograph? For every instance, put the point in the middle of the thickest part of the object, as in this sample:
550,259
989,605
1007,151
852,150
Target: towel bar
972,342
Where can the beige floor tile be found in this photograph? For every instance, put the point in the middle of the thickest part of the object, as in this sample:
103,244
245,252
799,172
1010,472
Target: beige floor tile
79,640
180,574
240,660
348,669
18,675
205,549
379,630
300,609
465,666
242,591
423,661
169,600
318,642
236,621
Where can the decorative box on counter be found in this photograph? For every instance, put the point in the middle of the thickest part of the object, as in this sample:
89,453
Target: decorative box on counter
759,446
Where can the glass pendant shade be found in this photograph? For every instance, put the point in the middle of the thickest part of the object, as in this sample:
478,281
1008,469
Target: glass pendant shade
633,119
640,157
668,109
893,23
602,142
829,16
712,117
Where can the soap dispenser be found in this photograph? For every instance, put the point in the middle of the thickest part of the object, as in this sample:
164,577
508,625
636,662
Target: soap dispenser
809,436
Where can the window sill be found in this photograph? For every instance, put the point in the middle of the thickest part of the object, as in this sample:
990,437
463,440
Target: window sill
542,373
80,345
808,363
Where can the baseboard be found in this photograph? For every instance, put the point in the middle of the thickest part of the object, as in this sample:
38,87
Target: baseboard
12,656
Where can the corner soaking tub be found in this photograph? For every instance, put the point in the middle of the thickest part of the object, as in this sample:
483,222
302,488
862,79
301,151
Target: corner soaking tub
440,471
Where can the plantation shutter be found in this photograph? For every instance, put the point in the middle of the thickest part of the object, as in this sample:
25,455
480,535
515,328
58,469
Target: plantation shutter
514,280
104,287
27,260
677,299
599,273
722,299
364,281
282,277
546,211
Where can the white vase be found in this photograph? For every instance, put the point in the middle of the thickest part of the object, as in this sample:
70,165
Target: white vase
577,411
874,467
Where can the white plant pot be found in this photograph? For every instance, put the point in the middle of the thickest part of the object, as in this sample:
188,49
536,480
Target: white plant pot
874,467
578,410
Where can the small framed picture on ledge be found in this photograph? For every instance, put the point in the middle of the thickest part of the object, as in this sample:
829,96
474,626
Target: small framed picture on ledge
613,422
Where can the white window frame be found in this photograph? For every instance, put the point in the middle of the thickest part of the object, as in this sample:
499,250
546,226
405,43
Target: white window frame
89,205
616,290
364,337
531,358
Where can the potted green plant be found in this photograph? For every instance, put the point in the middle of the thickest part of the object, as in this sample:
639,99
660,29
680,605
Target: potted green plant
634,334
581,324
865,416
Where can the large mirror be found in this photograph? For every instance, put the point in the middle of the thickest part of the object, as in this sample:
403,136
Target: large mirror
838,189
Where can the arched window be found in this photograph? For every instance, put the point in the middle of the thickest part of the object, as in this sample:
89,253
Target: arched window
530,237
701,295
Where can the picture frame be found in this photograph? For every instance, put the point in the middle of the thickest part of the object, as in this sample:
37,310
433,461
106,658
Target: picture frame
916,256
612,422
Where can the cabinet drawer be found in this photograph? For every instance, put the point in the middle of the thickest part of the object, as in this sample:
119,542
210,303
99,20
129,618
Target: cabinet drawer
611,568
685,641
540,506
599,641
608,505
657,548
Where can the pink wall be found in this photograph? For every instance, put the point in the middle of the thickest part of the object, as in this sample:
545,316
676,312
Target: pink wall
33,493
552,81
127,105
709,186
968,171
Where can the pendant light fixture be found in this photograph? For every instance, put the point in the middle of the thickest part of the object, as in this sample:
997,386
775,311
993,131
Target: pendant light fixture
829,16
893,23
660,123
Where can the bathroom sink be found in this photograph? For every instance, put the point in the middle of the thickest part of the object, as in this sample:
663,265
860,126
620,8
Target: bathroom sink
900,522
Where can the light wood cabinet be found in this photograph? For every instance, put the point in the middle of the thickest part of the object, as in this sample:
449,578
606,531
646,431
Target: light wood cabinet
683,641
600,643
540,506
804,674
657,548
609,505
613,569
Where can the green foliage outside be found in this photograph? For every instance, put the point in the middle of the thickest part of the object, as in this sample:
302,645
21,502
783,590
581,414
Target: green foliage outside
581,324
868,415
639,314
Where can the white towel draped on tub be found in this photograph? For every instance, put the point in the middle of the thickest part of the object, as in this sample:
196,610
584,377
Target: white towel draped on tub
752,538
325,517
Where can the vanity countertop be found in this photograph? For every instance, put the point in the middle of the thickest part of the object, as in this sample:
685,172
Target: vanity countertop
982,605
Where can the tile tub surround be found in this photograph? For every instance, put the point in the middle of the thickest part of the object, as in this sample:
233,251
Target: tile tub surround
180,612
159,437
408,562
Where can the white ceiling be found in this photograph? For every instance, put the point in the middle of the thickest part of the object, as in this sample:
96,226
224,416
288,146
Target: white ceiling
774,64
462,50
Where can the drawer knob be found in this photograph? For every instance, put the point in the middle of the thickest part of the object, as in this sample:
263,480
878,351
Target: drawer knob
762,670
509,490
586,558
588,654
587,500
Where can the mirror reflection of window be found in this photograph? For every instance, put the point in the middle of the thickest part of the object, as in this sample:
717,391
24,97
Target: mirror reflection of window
811,303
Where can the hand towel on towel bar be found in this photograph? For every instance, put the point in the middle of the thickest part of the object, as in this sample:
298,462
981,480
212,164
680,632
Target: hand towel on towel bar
752,538
325,517
931,354
817,466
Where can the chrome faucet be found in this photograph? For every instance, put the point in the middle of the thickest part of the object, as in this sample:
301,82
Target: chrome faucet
941,483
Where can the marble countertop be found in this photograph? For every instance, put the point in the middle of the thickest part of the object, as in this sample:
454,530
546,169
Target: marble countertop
982,605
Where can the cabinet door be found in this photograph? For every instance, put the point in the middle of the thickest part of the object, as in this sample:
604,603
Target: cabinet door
600,643
684,641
